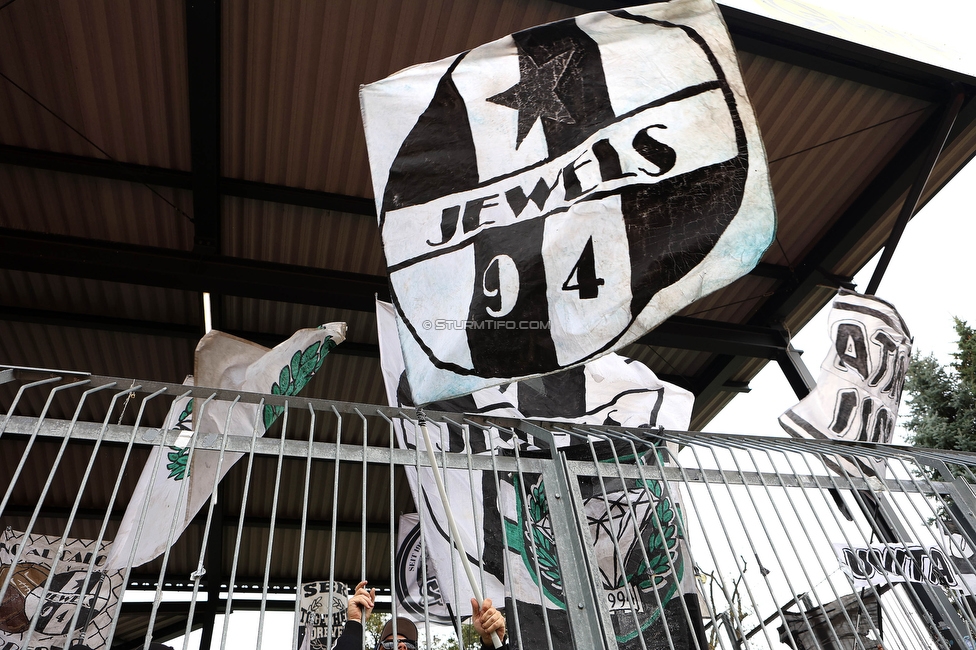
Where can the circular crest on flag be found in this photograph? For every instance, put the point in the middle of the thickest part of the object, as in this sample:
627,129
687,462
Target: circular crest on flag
530,217
412,591
65,597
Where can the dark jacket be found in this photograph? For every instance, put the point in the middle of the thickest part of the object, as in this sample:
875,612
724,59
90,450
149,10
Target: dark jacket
351,637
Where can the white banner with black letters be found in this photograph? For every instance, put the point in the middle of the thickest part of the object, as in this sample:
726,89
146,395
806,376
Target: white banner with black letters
949,567
860,383
322,613
551,196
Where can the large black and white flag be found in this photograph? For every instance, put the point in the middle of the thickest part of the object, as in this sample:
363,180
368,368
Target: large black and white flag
506,529
860,383
551,196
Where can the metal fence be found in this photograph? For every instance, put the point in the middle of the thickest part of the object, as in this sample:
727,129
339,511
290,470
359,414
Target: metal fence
598,537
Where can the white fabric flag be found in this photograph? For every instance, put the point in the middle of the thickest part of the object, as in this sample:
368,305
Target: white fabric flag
551,196
25,597
221,361
860,383
416,595
610,390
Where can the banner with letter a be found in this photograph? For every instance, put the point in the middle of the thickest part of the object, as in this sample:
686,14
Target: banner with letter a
549,197
860,383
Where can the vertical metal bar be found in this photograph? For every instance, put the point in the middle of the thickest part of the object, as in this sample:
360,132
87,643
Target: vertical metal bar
740,568
803,565
32,439
843,530
503,534
115,492
659,462
335,509
807,535
423,546
200,570
271,530
456,615
638,464
362,534
921,600
619,556
182,501
240,529
535,551
304,528
693,626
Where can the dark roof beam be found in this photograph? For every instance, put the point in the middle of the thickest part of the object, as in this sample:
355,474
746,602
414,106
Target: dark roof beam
203,71
683,333
910,204
860,216
174,269
156,328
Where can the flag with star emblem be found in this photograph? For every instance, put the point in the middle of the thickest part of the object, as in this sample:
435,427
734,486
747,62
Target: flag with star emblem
637,539
860,383
551,196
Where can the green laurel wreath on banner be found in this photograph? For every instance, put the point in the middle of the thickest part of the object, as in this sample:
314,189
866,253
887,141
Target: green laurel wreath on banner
545,544
653,574
177,462
294,376
659,547
178,455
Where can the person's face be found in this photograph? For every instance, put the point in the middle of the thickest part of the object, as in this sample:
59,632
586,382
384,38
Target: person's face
402,643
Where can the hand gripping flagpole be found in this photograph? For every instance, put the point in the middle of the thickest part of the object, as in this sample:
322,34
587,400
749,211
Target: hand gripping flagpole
422,421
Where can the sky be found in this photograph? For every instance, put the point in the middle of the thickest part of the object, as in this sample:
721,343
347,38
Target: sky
930,277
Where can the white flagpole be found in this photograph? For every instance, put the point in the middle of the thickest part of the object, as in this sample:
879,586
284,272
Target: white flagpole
422,421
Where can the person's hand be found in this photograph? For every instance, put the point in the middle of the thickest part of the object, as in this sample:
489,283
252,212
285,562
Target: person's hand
486,619
361,604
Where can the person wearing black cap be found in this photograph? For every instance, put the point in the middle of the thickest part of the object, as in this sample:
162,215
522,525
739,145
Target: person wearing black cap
406,635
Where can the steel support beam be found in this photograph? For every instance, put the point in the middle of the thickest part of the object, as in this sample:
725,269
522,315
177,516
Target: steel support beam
162,177
203,53
884,191
797,374
683,333
174,269
156,328
910,204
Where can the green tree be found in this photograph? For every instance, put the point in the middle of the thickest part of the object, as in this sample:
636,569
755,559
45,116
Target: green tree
942,411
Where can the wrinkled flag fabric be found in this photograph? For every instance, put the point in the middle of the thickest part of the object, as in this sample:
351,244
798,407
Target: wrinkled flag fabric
551,196
860,383
163,503
518,559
